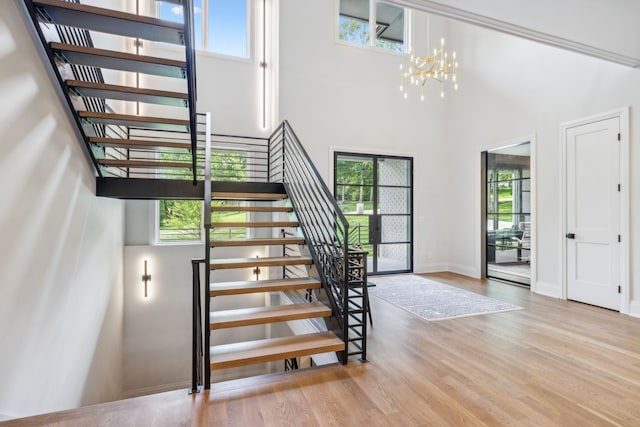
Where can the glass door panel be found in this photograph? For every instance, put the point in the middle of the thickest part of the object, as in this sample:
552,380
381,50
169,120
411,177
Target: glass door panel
375,194
508,213
353,189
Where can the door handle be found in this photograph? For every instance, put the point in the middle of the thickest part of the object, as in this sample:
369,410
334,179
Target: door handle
571,235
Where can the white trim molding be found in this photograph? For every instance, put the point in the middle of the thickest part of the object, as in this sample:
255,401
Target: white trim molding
548,289
516,30
634,308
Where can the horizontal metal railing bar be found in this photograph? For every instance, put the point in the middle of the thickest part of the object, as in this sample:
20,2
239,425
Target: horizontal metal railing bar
257,138
328,216
324,188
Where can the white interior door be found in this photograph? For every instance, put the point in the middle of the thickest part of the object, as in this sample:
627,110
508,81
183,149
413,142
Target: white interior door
593,213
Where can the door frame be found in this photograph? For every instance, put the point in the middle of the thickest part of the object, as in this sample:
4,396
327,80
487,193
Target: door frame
623,115
481,205
333,151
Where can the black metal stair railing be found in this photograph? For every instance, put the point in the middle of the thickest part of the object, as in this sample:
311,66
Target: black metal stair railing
326,232
190,47
341,266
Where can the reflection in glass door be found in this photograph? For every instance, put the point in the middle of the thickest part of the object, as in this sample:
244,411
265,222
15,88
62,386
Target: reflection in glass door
508,213
375,193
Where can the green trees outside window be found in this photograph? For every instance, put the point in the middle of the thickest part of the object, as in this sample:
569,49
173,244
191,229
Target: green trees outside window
181,220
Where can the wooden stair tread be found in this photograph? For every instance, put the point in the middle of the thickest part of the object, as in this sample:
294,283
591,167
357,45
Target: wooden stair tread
162,123
261,315
123,163
229,263
248,196
102,58
252,352
258,242
127,93
112,21
255,224
252,208
121,142
256,286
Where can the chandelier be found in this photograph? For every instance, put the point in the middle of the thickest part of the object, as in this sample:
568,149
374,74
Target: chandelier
438,67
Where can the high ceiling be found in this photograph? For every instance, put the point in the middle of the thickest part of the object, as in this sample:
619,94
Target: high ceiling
605,29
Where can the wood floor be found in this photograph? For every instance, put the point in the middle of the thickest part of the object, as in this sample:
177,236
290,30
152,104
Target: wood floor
553,363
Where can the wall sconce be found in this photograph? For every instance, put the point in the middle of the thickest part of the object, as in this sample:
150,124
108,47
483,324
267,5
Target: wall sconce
256,270
146,278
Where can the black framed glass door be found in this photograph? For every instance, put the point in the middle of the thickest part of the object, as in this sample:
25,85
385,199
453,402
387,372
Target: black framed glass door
508,213
376,195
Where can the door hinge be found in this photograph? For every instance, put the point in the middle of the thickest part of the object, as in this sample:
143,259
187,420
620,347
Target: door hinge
618,137
619,187
619,289
619,238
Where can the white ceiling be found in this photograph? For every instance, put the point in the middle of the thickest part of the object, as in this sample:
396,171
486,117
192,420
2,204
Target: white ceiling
606,29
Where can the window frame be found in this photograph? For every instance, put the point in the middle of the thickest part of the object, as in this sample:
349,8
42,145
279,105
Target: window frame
407,14
250,31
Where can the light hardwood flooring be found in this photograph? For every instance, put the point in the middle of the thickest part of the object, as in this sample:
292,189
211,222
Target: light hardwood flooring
554,363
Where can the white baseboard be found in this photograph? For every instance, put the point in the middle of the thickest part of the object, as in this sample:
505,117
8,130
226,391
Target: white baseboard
634,309
465,270
548,289
5,417
430,268
161,388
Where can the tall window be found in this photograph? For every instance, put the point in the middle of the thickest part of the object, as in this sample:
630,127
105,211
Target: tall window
221,26
372,23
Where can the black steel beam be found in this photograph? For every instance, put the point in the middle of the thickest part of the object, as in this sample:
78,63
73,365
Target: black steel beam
174,189
149,189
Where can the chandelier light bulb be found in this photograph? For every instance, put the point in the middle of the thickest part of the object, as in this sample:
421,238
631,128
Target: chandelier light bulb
439,66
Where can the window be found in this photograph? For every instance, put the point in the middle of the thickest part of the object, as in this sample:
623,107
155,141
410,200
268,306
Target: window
181,220
357,17
221,26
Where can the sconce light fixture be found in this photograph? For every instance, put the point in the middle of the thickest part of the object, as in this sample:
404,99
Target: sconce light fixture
256,270
146,278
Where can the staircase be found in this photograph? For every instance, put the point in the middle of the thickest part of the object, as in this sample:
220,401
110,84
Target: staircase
121,141
148,142
293,270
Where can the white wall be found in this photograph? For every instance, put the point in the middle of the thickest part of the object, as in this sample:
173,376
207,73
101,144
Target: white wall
61,257
343,97
157,329
510,88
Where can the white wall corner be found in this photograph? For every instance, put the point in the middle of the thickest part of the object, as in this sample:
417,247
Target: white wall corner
430,268
465,270
553,290
634,308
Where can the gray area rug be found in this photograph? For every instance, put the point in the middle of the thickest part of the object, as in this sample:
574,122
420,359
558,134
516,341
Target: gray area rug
432,300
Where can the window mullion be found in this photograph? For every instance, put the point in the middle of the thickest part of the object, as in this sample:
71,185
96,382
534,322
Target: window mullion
372,22
205,25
